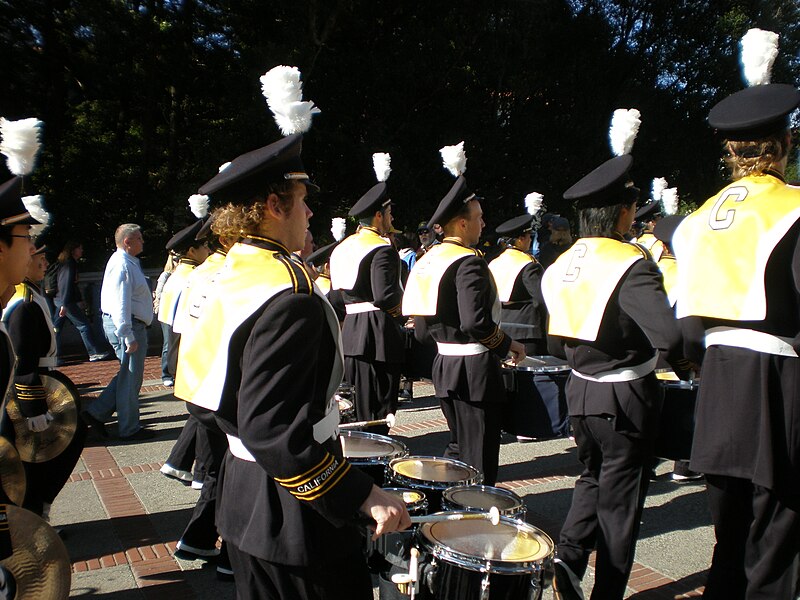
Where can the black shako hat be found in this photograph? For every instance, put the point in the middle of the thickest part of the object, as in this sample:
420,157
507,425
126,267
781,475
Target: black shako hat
205,231
755,112
648,211
248,175
607,185
374,200
665,228
321,255
516,226
456,198
186,237
12,209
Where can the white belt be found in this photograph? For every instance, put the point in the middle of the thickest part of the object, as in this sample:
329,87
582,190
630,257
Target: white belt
446,349
622,374
750,340
326,428
48,361
360,307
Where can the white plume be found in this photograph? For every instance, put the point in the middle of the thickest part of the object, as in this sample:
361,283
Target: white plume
624,127
669,198
659,185
759,51
283,91
382,163
20,142
198,203
338,226
533,203
224,166
454,159
35,206
36,230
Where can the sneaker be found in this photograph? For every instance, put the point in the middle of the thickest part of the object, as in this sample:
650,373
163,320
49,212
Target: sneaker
183,476
99,357
186,552
96,424
142,434
566,584
688,478
197,485
168,382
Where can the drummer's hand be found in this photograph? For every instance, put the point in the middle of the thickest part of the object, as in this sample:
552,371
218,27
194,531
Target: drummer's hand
39,423
389,512
517,351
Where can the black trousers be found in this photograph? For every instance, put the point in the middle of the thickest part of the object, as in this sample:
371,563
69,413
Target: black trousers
183,451
258,579
758,540
201,532
606,505
376,385
474,434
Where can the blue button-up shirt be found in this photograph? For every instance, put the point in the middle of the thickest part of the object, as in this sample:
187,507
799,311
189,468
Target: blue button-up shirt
125,294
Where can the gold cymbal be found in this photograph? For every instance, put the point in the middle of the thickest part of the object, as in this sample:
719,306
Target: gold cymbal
39,563
62,402
12,473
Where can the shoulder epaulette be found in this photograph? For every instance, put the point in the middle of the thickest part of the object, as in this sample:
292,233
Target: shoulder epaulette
645,252
301,281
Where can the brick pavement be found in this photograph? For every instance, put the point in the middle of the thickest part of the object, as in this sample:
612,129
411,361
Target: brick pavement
136,543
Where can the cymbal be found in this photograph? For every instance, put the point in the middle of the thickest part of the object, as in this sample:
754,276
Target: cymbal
62,402
12,473
39,563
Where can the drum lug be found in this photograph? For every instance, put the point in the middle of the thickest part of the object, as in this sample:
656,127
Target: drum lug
485,583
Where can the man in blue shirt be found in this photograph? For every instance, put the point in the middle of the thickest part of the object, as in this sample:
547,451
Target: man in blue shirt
127,305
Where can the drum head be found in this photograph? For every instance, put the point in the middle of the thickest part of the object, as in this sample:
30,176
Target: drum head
360,444
541,364
500,546
432,468
414,499
482,498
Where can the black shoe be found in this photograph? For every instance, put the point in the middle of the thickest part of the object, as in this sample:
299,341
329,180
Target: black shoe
566,585
186,552
96,424
142,434
224,573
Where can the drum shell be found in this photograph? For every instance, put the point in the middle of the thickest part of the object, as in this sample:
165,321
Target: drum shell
375,466
431,488
537,405
676,428
518,511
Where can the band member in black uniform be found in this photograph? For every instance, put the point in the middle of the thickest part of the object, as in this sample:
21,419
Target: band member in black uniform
453,299
265,355
519,285
320,261
366,267
29,325
739,259
609,315
648,215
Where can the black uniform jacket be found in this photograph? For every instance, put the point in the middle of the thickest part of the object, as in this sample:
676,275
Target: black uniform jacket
464,316
524,316
280,366
376,335
637,320
748,413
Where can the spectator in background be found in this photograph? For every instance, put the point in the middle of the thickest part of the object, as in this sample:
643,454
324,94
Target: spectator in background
559,241
69,303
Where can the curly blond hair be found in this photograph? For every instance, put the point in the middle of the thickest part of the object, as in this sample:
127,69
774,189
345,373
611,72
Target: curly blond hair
755,157
233,221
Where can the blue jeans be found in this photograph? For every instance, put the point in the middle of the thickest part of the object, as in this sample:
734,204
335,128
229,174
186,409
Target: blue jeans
122,393
78,318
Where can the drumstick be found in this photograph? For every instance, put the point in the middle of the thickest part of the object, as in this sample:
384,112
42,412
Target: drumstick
493,516
389,421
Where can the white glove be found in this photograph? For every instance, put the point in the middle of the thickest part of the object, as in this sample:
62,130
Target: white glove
40,423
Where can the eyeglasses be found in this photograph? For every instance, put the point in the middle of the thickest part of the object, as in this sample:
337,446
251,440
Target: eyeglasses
28,237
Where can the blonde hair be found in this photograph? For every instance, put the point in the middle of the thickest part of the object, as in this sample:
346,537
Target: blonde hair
561,237
757,156
234,221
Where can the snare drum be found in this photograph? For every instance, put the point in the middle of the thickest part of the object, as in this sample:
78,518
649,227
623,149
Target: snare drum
371,452
536,389
433,475
347,412
480,498
676,427
475,560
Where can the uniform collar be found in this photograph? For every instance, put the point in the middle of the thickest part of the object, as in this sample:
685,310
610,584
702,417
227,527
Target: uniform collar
265,243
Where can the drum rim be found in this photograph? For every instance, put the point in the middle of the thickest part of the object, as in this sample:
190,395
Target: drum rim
396,477
478,564
511,511
421,504
374,460
541,369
